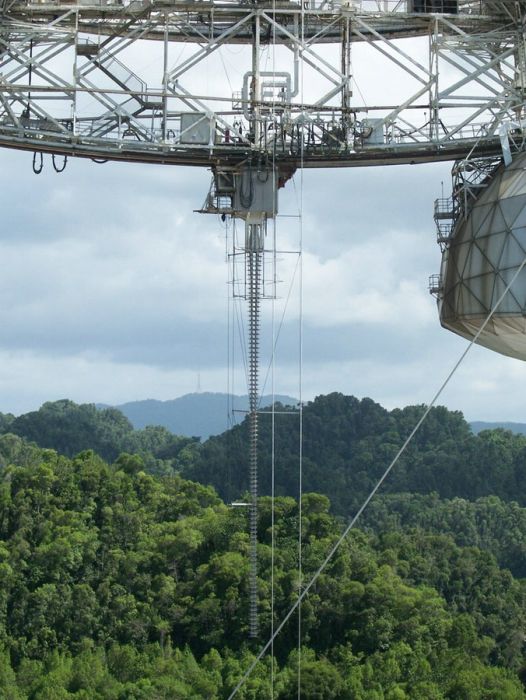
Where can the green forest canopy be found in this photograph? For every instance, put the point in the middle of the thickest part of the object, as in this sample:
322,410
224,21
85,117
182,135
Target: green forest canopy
426,602
347,444
157,567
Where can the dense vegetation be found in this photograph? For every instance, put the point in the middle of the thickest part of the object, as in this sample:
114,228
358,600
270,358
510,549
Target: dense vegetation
70,428
120,579
348,443
119,584
487,523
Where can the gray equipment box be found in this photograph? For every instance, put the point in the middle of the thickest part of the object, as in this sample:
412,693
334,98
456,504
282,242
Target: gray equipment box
373,131
195,128
256,191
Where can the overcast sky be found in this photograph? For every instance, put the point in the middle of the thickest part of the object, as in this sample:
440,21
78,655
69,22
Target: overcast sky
112,289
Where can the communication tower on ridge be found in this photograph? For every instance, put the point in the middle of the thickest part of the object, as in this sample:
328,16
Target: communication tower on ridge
256,89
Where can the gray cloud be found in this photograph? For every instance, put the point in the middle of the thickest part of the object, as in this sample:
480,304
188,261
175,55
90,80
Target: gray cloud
111,289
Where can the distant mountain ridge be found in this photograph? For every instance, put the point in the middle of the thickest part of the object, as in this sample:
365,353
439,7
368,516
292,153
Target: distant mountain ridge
478,425
198,414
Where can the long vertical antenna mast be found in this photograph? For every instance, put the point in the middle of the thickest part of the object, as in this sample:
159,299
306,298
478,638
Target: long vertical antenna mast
254,247
250,193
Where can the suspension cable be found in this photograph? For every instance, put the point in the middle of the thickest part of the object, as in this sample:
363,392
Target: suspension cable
281,322
300,364
378,484
273,367
228,343
273,492
229,355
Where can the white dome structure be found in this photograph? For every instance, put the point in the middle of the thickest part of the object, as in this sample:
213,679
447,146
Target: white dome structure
486,248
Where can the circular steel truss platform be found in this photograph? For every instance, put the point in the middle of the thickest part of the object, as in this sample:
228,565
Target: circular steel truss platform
222,84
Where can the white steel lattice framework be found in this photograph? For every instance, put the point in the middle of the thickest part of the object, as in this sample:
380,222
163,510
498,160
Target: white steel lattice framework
73,80
254,90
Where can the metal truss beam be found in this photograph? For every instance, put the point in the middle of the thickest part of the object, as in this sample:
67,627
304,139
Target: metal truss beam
71,81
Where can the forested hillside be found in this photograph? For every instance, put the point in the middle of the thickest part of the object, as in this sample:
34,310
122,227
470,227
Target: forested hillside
70,428
123,578
487,523
347,444
117,585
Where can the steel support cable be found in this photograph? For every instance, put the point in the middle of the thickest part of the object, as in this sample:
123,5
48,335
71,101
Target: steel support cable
228,309
291,287
230,360
237,308
241,335
272,489
300,366
378,484
232,320
272,366
276,336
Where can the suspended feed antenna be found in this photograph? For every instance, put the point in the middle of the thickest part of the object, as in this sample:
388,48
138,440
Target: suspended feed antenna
250,195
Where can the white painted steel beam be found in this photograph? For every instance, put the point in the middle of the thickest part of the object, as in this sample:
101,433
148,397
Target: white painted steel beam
73,81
